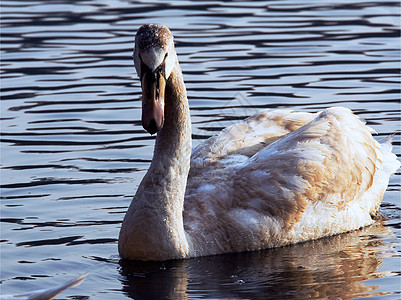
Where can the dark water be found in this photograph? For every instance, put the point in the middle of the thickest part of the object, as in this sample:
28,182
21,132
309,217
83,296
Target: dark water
73,151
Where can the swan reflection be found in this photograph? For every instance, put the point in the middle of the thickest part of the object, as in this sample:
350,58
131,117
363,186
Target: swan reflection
331,268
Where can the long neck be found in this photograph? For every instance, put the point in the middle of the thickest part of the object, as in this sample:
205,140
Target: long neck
153,226
173,142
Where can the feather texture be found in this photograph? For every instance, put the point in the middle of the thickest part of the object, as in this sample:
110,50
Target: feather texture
281,177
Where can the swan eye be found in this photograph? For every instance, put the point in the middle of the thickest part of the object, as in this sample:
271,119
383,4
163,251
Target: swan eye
144,68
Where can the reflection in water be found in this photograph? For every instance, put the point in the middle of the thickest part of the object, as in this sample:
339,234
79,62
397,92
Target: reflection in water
328,268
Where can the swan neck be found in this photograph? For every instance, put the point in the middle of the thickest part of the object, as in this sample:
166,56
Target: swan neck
173,141
153,227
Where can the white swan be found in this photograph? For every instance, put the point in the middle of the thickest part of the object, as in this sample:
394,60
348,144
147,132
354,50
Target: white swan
276,178
46,294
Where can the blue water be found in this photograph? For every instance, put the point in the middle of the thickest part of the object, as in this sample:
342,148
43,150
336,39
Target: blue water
73,150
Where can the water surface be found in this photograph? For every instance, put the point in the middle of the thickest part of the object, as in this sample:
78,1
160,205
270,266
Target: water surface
73,151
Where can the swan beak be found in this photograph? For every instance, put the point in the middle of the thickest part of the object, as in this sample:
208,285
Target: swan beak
153,88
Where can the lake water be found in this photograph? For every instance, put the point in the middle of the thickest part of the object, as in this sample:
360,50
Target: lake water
73,151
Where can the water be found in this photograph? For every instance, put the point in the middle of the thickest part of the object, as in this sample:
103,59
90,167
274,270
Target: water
73,150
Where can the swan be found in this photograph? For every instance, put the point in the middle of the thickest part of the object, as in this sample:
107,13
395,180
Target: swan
277,178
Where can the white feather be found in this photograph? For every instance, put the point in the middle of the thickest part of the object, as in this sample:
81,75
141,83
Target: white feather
46,294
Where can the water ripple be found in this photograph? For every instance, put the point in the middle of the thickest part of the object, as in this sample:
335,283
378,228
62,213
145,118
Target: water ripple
73,150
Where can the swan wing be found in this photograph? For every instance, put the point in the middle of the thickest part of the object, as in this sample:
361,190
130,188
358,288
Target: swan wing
324,177
46,294
247,137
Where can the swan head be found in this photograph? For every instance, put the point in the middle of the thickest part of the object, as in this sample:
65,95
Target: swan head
154,58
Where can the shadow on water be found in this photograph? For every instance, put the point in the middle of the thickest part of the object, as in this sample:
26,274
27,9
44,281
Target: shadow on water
329,268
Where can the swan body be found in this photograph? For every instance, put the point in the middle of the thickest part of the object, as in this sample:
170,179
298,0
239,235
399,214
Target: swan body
276,178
